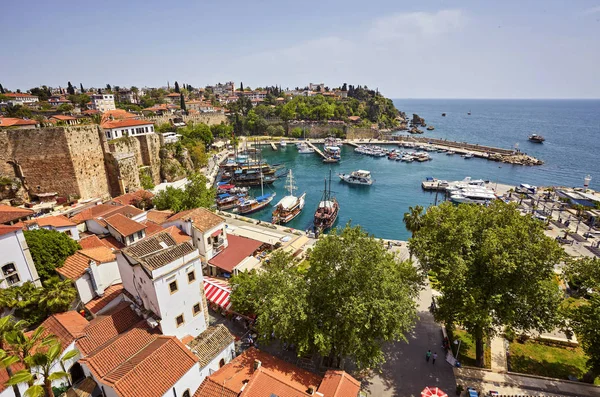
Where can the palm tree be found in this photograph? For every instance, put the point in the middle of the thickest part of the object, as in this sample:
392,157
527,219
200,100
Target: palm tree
7,324
40,366
22,346
413,220
58,295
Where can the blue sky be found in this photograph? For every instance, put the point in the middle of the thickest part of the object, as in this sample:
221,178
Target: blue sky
408,49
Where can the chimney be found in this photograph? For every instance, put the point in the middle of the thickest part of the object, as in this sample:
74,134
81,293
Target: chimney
257,364
94,274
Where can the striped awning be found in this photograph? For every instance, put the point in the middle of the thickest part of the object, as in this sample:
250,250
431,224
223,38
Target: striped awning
217,292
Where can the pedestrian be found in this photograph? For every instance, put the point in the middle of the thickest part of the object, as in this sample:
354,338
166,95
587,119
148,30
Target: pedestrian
428,355
434,357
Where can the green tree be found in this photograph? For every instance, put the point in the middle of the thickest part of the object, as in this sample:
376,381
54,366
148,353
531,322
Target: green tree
8,325
195,195
65,108
49,249
494,268
177,87
2,90
182,102
81,90
57,295
146,180
412,219
332,309
584,319
70,89
17,111
40,367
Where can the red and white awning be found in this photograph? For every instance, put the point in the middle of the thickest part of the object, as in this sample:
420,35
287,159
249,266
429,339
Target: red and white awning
217,292
433,392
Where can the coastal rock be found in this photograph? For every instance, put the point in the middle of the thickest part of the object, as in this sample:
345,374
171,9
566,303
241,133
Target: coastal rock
418,121
415,130
430,128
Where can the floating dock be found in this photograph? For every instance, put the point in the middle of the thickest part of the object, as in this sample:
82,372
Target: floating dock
273,146
317,150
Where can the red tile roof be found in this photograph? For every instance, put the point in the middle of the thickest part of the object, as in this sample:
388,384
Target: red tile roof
124,225
4,375
117,114
339,384
133,197
12,121
91,111
124,123
91,242
274,376
178,235
118,350
100,302
152,228
9,213
153,370
237,250
66,326
8,229
203,219
159,217
105,327
75,265
94,211
63,117
19,95
54,221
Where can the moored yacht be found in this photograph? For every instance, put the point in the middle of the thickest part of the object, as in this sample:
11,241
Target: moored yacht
360,177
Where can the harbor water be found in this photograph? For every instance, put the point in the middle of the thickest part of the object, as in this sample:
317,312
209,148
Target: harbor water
571,151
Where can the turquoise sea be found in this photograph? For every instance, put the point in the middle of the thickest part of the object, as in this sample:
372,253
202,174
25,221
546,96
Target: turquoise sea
571,151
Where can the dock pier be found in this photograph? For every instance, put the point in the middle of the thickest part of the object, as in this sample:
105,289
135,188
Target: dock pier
273,146
317,150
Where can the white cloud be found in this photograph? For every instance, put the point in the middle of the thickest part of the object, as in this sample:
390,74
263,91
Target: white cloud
416,24
592,10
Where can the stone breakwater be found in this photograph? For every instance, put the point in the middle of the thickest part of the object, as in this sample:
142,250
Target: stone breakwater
491,153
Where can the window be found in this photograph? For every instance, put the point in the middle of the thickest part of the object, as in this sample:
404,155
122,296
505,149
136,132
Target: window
191,276
152,128
8,269
221,363
197,308
140,234
173,286
146,129
10,280
130,239
179,320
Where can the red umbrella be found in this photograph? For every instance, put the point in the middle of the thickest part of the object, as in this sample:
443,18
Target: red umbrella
433,392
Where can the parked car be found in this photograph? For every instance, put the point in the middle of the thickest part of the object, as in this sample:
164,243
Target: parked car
472,392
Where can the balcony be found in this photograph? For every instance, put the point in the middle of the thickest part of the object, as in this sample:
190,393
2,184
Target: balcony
218,245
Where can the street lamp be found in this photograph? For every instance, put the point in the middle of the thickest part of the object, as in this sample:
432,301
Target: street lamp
457,342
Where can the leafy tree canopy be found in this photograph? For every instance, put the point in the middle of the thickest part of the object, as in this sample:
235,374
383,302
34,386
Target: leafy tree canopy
332,309
195,195
494,268
49,249
585,319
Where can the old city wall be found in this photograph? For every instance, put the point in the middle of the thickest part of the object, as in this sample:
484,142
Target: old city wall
58,159
126,145
123,173
87,156
206,118
319,130
150,153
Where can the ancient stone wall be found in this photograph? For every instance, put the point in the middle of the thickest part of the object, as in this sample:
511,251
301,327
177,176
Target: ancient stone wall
123,173
58,159
87,157
150,154
206,118
126,145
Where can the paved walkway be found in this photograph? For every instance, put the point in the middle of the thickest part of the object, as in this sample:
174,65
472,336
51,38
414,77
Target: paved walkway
498,355
405,372
511,384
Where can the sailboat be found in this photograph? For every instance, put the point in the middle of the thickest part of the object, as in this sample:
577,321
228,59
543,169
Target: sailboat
327,211
290,206
249,205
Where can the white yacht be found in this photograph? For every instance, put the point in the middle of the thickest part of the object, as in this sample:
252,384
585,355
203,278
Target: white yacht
360,177
282,143
473,196
468,155
305,149
407,158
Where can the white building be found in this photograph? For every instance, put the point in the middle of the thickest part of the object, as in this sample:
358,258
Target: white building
58,223
207,230
15,98
316,87
102,102
95,274
16,264
165,278
118,128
